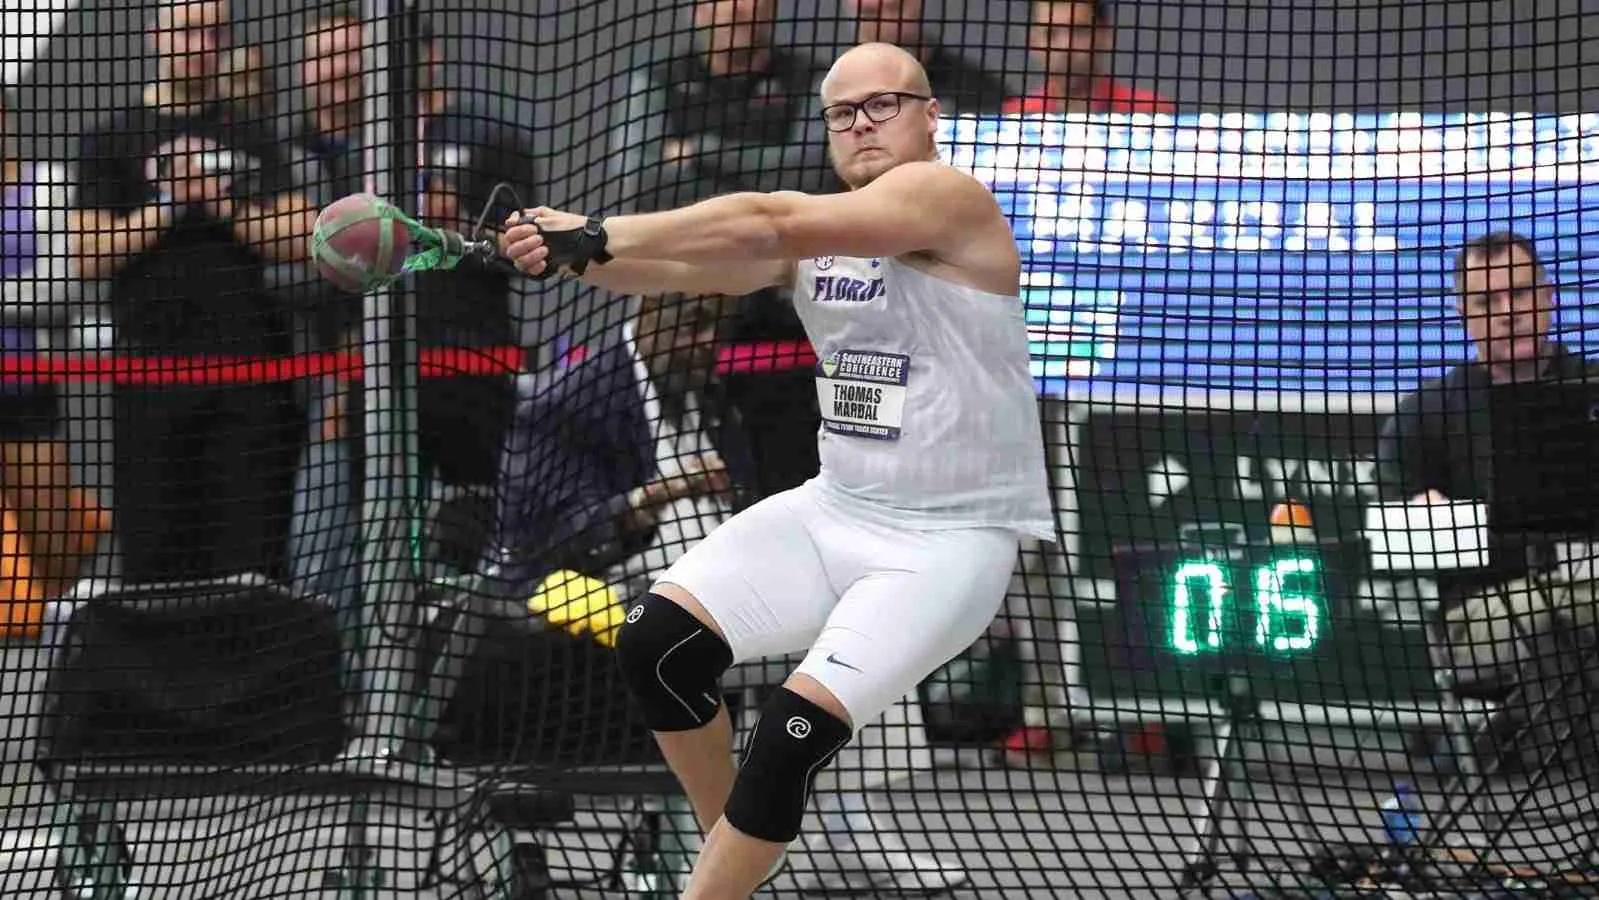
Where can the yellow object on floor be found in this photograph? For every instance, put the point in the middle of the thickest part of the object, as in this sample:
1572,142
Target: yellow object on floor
580,604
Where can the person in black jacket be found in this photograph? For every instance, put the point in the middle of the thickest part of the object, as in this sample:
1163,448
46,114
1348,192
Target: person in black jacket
183,201
1434,450
737,113
329,140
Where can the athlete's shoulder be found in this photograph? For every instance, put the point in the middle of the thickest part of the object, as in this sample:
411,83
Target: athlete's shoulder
967,210
933,171
932,183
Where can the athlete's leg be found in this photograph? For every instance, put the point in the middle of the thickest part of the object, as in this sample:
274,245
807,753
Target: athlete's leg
702,758
923,598
754,587
800,730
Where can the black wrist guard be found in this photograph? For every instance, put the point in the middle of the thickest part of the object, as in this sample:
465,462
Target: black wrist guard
575,248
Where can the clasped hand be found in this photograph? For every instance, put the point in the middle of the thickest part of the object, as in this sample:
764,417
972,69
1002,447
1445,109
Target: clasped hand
186,170
703,475
522,241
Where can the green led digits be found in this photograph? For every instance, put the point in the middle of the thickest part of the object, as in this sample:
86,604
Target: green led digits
1286,621
1182,619
1288,610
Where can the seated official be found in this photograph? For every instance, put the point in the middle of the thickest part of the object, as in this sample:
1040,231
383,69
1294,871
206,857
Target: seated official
627,460
1435,450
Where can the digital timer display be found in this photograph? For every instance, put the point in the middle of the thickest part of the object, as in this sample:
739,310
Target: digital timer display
1280,608
1215,606
1291,617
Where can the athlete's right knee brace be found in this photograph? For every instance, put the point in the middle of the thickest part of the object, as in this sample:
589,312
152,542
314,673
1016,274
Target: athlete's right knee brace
673,664
793,740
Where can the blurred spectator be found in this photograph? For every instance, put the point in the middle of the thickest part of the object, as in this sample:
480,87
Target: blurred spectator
181,204
247,86
50,527
737,113
961,85
326,153
327,148
719,118
468,153
331,75
629,459
461,419
1071,41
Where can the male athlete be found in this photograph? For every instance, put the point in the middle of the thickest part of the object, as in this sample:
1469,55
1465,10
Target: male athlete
895,557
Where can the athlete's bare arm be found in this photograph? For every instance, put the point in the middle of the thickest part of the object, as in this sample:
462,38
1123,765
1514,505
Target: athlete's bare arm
660,276
917,208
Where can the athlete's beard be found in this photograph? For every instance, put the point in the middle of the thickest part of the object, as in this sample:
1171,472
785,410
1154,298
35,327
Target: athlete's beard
931,156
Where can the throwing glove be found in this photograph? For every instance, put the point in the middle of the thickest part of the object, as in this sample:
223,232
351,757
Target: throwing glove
574,248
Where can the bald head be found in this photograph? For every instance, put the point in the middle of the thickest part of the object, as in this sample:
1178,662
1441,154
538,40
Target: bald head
879,112
891,68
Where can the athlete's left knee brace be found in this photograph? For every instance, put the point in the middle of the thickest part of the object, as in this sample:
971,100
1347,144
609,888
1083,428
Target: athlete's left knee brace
793,740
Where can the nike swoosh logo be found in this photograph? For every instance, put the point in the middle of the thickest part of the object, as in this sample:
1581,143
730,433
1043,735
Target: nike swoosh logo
839,662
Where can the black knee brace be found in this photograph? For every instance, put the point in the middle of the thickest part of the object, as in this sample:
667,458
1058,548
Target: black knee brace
673,664
793,740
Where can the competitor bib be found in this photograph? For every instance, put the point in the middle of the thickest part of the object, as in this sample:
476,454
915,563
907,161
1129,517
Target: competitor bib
861,393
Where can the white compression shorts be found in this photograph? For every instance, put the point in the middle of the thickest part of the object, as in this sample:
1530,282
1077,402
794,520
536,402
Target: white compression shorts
878,609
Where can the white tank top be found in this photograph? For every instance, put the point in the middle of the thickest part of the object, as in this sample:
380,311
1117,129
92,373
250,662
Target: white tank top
929,417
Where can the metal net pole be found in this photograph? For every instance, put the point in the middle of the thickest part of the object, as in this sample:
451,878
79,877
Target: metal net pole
388,571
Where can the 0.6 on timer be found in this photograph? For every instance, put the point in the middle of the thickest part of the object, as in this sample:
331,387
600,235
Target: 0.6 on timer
1284,596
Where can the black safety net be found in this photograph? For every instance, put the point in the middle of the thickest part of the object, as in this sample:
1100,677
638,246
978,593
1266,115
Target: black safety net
322,519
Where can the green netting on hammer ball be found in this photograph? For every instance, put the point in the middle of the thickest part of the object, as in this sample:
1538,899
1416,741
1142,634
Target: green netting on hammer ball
434,250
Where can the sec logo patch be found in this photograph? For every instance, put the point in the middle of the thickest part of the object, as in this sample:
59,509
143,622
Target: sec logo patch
824,262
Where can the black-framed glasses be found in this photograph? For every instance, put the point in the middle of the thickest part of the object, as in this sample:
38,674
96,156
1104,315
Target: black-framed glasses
879,108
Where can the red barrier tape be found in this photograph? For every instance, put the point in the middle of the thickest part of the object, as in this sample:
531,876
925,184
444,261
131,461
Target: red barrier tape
775,356
441,362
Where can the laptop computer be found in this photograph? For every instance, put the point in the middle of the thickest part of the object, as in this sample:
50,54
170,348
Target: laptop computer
1545,455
